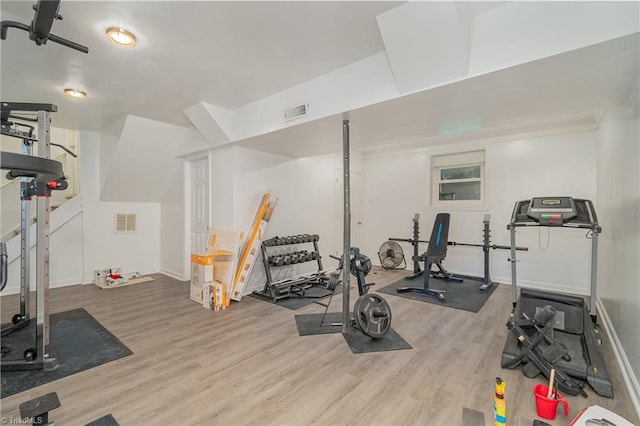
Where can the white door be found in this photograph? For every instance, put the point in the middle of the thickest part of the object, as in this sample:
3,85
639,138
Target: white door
199,205
355,199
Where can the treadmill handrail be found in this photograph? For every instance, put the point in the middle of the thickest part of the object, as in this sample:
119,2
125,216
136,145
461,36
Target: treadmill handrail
573,223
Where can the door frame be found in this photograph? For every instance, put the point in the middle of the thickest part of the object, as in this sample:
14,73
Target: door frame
187,178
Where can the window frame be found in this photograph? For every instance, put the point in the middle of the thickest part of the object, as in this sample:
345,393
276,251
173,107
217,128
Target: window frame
436,180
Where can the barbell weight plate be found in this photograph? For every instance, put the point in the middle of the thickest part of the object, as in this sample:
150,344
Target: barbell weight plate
372,315
361,263
334,280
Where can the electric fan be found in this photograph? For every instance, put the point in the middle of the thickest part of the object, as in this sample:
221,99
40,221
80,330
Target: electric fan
391,255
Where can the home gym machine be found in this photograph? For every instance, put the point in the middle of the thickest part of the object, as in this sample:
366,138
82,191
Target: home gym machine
46,12
486,247
39,176
566,336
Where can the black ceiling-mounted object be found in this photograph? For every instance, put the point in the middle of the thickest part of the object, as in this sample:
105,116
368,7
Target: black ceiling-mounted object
46,11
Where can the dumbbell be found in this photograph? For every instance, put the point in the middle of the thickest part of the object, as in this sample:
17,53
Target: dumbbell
302,255
276,260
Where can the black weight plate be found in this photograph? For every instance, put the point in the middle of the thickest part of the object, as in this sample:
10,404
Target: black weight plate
372,315
334,280
361,263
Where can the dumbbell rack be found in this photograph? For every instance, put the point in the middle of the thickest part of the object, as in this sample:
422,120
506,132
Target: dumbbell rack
292,286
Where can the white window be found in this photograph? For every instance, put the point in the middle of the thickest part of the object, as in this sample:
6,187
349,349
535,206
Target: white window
458,180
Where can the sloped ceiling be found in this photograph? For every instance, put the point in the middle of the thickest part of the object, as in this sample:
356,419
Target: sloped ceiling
566,91
208,55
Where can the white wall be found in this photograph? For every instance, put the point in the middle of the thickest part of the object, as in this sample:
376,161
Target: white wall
172,223
619,273
306,205
136,252
397,187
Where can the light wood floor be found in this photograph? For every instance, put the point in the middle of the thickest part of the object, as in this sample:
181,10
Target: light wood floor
247,365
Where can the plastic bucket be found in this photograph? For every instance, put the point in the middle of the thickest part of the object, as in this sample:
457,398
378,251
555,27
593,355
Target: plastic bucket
547,407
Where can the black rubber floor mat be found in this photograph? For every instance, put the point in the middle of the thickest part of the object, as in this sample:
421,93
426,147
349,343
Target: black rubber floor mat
361,343
465,295
77,341
294,302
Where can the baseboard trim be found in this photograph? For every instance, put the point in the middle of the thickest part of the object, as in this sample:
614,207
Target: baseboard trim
630,380
173,274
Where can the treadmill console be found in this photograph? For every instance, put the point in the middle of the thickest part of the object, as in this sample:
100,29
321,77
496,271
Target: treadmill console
552,211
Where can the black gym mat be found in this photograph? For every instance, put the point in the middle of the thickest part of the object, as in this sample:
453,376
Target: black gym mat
466,295
361,343
472,417
107,420
78,342
294,302
358,342
310,324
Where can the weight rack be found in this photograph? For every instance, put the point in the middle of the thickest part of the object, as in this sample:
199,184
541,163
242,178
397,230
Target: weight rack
292,286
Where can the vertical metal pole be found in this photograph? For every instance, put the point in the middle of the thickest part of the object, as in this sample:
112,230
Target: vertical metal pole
594,273
486,246
25,241
514,280
416,237
346,257
42,248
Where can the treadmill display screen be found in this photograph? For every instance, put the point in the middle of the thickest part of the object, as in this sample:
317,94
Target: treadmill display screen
552,211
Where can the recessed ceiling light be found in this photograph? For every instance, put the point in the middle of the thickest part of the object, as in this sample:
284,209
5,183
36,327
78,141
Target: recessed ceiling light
73,93
121,37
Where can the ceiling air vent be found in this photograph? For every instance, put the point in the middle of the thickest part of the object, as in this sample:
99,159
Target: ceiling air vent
296,112
125,223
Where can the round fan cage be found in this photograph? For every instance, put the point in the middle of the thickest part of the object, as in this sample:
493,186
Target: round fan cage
391,255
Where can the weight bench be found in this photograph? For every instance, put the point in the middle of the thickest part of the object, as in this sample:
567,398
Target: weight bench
435,254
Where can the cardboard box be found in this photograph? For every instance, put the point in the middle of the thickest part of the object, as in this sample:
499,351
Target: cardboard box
251,247
597,412
224,245
201,273
215,296
195,293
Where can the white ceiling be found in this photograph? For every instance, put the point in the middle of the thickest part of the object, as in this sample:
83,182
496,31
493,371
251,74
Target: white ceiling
566,92
223,53
232,53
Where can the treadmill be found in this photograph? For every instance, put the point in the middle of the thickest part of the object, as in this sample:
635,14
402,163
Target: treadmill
574,325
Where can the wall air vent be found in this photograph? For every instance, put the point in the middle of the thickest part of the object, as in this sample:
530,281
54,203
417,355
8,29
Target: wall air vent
296,112
125,223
